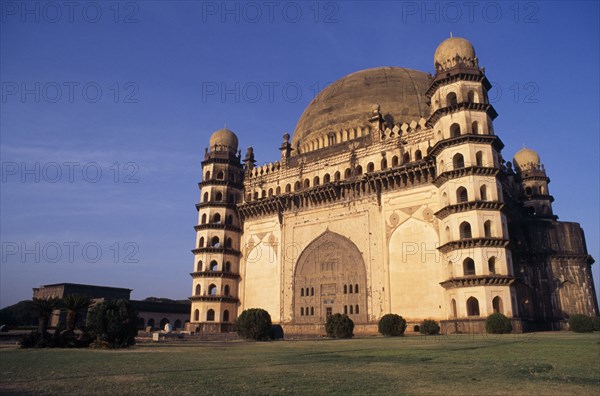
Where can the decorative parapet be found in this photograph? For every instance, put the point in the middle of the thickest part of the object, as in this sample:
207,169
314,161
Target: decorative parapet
214,274
214,298
483,107
467,138
467,171
217,250
470,243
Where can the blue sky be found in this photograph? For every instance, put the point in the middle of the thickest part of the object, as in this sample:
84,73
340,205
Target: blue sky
111,104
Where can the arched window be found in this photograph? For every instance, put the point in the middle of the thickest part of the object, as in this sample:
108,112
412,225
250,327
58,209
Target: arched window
483,193
331,139
263,194
228,243
475,127
226,316
356,288
462,195
473,97
302,292
301,311
454,130
229,220
468,267
528,190
214,266
217,218
347,173
351,310
326,178
219,196
249,197
207,175
226,290
345,310
201,242
220,175
199,266
337,176
210,315
312,291
270,193
492,265
458,161
312,311
278,190
198,290
405,158
394,161
306,183
212,290
487,229
288,188
203,221
228,267
418,155
472,307
215,242
196,316
356,309
448,236
465,230
453,306
205,199
358,170
297,186
479,158
370,167
345,289
497,305
316,181
451,99
255,195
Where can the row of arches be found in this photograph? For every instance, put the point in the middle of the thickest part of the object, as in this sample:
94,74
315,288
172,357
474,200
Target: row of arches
210,315
213,290
220,175
452,98
351,309
349,289
462,195
333,138
465,230
304,311
306,291
213,266
216,219
456,130
472,306
177,324
215,242
469,266
218,197
458,161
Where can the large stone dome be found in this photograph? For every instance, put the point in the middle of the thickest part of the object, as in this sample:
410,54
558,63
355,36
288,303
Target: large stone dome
224,138
348,102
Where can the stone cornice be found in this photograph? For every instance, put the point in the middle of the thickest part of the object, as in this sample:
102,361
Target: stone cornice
217,226
483,107
452,75
227,161
467,138
214,298
466,171
478,280
214,274
215,204
467,206
471,243
216,182
218,250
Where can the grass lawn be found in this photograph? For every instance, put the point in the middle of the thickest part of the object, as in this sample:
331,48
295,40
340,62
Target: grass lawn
533,364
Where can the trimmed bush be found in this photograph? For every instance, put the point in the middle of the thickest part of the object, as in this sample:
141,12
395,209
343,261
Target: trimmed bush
113,324
392,325
497,323
581,323
429,327
339,326
596,323
254,324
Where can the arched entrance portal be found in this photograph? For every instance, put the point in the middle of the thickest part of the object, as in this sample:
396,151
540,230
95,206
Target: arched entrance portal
330,278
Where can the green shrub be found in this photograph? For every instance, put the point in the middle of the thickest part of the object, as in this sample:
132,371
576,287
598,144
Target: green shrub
254,324
339,326
581,323
497,323
430,327
113,324
596,323
392,325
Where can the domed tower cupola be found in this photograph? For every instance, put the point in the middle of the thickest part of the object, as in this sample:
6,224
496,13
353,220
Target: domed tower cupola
531,174
455,52
223,140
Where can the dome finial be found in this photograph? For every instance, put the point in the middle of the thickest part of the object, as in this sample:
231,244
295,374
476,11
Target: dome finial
450,34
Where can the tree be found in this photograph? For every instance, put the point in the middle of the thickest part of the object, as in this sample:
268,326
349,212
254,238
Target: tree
254,324
113,324
430,327
43,309
339,326
497,323
581,323
392,325
74,304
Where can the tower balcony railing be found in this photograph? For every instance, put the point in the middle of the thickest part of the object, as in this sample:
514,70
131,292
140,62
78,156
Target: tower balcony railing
216,249
467,206
214,298
214,274
469,243
218,182
217,226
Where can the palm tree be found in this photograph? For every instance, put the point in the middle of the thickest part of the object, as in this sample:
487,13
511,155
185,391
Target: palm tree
43,308
74,304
